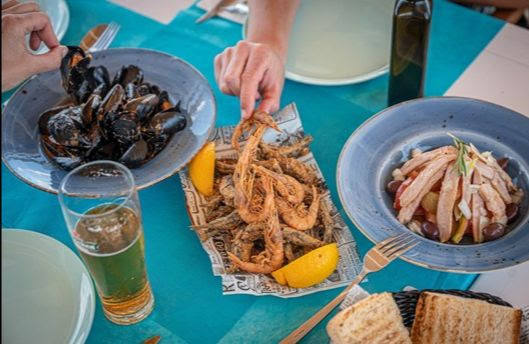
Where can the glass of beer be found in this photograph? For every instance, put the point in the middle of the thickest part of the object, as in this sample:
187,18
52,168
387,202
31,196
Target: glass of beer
102,212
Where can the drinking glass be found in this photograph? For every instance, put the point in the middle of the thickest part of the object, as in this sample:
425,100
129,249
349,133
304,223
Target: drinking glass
102,212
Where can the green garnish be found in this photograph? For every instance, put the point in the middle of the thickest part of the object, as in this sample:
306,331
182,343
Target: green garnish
462,152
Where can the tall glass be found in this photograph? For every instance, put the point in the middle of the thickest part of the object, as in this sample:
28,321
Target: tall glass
102,212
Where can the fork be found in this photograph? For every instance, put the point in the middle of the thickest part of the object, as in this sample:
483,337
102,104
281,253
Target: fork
106,37
376,258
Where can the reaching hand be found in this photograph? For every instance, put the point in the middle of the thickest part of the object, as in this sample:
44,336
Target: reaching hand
251,71
18,63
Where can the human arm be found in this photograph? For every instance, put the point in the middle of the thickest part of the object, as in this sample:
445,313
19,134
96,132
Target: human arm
254,68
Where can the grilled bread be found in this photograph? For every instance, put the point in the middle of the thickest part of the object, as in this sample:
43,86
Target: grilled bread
441,318
374,320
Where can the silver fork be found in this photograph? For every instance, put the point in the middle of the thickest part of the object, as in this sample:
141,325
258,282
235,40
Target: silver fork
376,258
103,42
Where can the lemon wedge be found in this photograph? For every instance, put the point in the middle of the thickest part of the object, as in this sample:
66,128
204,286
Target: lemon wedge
309,269
202,169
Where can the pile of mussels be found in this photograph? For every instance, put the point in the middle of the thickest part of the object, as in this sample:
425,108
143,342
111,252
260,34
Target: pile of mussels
126,119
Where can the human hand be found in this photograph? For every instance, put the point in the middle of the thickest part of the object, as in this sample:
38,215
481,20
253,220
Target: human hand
252,71
18,63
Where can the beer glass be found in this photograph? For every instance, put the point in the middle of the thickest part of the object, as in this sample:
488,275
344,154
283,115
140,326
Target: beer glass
102,212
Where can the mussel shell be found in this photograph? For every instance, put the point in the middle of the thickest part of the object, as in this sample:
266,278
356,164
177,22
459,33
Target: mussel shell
126,128
144,89
128,74
65,127
67,159
89,111
74,66
111,102
45,117
164,103
105,150
99,79
167,122
143,106
136,154
131,91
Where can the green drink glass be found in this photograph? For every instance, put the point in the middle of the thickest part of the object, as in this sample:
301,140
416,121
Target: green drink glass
102,211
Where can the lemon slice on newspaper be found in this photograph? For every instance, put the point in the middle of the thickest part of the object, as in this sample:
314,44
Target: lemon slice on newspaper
202,169
309,269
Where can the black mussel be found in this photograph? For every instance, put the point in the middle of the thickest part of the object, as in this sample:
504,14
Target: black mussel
89,111
166,123
135,154
156,144
155,89
67,159
95,81
65,127
144,89
82,92
131,91
105,150
74,66
111,102
128,74
164,103
143,106
45,117
99,80
126,129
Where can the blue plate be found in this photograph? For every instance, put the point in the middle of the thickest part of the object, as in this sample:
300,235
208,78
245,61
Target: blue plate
21,150
384,142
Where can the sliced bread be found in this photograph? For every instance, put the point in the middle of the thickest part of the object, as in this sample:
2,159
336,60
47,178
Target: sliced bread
374,320
442,318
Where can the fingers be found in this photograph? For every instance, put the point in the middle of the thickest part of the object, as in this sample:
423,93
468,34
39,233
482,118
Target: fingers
34,41
227,56
17,8
250,79
8,4
40,22
235,67
269,104
48,61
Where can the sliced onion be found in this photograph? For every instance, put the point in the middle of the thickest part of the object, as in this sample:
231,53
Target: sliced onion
465,209
474,150
415,226
397,174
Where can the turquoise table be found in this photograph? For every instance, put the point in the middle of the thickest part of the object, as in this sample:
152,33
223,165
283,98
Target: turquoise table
189,305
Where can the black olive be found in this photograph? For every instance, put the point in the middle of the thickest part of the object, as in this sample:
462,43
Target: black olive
503,162
430,230
393,186
493,231
511,211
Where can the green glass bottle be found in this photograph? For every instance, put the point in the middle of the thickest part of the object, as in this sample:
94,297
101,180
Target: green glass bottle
409,45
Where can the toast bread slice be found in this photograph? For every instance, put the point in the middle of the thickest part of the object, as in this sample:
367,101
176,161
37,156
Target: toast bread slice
374,320
442,318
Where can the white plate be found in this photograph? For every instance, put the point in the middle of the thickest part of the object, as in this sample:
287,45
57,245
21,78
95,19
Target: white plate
47,293
339,42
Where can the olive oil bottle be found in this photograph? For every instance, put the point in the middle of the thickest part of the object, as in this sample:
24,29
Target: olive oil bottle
409,45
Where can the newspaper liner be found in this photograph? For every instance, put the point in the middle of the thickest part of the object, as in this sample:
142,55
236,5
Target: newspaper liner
349,264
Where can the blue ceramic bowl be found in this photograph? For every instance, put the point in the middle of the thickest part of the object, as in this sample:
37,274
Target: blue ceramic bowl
384,142
21,150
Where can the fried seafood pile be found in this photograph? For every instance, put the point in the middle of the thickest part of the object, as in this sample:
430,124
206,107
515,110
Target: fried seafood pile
267,204
455,191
